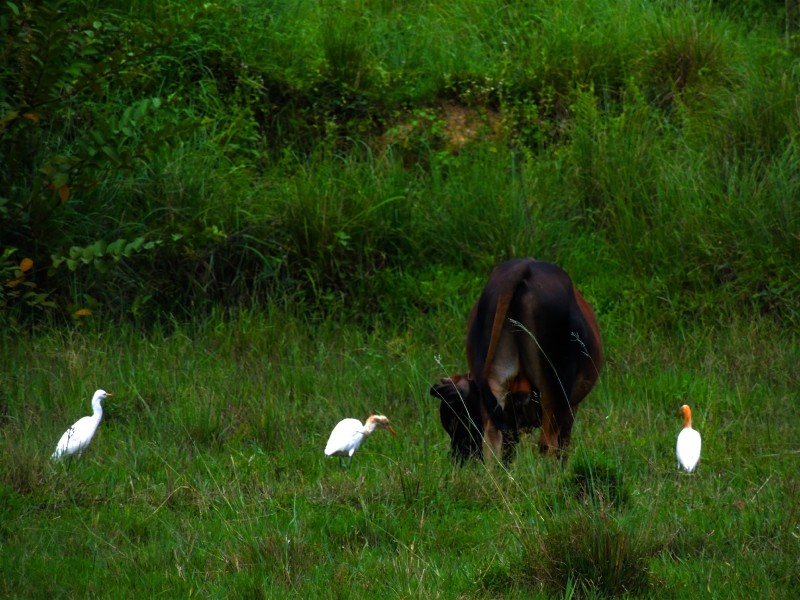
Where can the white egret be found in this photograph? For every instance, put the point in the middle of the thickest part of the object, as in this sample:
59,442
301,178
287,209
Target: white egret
688,446
348,434
77,437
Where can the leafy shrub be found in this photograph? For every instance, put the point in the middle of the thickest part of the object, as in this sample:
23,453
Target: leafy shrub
319,153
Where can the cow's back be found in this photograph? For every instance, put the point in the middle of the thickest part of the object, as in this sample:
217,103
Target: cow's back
531,323
564,328
533,348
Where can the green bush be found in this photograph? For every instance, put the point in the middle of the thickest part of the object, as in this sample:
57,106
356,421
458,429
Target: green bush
319,154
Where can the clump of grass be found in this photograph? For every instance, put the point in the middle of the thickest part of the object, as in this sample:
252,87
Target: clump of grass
598,481
589,548
689,56
22,468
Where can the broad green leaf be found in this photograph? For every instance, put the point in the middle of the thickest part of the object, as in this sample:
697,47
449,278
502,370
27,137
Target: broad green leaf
141,109
110,152
99,247
133,246
116,246
126,117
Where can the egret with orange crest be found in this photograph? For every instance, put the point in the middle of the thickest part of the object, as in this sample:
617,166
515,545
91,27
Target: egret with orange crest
688,446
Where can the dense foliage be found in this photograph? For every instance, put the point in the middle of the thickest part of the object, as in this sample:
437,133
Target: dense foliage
160,159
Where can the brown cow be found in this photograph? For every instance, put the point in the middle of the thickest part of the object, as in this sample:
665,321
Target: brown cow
534,353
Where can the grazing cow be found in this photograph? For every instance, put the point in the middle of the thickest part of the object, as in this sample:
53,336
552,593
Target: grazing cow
534,353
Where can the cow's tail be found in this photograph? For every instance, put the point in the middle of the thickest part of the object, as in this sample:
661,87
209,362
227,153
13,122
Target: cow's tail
500,312
493,407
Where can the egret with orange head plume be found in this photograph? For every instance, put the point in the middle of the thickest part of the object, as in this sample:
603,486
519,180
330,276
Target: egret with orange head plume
348,434
688,446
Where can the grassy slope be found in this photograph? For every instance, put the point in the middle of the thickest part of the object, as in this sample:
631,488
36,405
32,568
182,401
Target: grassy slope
339,147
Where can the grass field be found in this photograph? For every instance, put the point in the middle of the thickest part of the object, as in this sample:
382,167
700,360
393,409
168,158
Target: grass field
207,476
252,219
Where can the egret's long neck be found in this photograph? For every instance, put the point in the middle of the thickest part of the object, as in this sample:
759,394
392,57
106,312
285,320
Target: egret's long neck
97,408
687,417
369,427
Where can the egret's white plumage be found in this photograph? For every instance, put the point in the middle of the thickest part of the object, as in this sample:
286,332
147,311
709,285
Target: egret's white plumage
77,437
348,434
688,446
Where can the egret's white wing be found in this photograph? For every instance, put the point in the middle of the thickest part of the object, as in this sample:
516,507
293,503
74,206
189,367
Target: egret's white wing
345,438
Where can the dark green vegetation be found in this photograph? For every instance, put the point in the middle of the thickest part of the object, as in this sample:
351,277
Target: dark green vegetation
251,220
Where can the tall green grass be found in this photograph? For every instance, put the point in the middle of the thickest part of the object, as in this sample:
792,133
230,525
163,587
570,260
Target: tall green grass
320,152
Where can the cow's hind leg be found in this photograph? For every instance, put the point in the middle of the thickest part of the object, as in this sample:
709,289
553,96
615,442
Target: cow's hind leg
548,439
566,421
557,430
